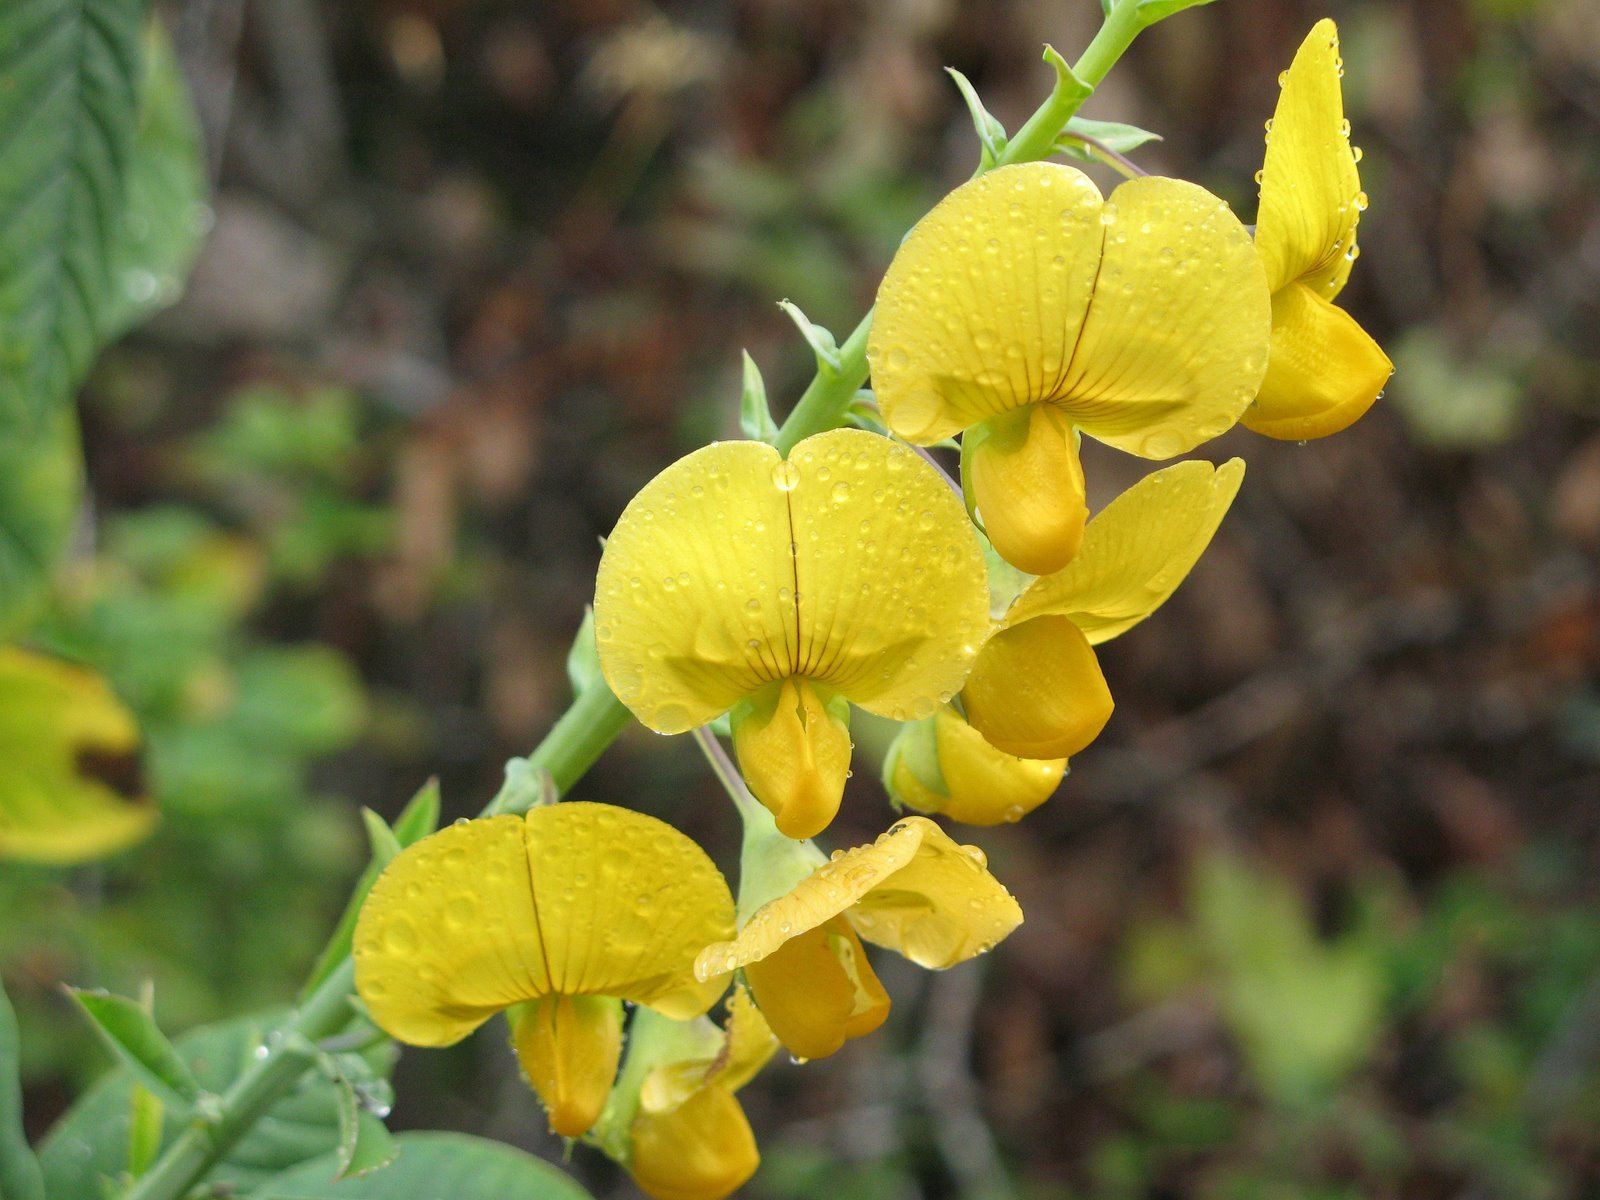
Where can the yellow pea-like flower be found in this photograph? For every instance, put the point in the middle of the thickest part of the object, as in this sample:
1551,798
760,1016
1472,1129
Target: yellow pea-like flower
67,749
1026,309
562,914
1036,690
943,765
914,891
690,1139
1324,371
847,572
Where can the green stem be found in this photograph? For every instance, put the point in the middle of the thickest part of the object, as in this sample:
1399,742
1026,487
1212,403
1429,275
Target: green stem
596,717
823,404
290,1053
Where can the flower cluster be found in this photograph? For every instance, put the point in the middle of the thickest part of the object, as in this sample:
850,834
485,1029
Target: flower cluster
779,591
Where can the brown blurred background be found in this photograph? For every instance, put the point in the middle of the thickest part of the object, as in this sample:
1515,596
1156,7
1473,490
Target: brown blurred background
1317,917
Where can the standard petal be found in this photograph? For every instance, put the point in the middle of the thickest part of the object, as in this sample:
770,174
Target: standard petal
694,603
983,785
624,903
1310,187
927,929
1036,691
894,599
1027,486
980,309
1325,371
1136,551
1175,342
576,898
66,744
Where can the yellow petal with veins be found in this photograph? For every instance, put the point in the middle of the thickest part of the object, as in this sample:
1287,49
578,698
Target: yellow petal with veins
575,899
748,1044
1027,485
980,785
850,563
569,1048
1325,371
913,890
1136,551
702,1149
69,762
817,990
793,748
1144,318
1036,690
1306,226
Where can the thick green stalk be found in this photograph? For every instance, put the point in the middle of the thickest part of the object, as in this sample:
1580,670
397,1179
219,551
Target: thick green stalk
596,717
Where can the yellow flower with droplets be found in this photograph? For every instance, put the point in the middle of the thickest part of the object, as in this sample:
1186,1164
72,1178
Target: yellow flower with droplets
914,891
785,590
1026,309
558,916
943,765
1036,690
68,764
689,1139
1325,371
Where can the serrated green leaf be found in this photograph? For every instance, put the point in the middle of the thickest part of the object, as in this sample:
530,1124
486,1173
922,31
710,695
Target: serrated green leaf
1151,11
430,1166
19,1170
137,1040
91,1142
68,115
166,213
41,488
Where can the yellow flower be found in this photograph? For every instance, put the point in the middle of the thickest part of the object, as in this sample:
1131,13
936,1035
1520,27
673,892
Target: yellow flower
1324,371
1036,690
67,750
782,589
1025,309
562,913
943,765
913,890
690,1139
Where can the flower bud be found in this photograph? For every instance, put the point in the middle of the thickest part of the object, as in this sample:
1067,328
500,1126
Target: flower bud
943,765
701,1150
1036,690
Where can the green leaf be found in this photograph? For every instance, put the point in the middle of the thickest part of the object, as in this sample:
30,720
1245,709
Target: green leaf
19,1170
144,1132
1151,11
1113,135
137,1040
822,342
991,134
416,821
364,1144
68,114
432,1166
385,846
755,416
91,1142
166,213
41,487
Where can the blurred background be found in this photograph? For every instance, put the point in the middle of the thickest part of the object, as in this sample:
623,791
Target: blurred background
1317,917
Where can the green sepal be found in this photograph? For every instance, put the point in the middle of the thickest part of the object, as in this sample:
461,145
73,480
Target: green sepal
131,1033
917,746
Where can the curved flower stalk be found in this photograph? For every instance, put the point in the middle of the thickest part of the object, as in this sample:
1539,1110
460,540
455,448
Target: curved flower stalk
555,918
687,1137
1036,690
943,765
786,589
1026,309
1325,371
913,891
66,744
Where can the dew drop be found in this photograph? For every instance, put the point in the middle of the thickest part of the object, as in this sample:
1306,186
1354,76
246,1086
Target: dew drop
786,476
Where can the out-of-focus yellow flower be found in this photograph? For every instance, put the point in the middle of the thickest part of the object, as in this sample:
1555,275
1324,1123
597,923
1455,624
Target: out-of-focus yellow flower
943,765
68,764
690,1139
913,891
782,588
1324,371
563,914
1026,308
1036,690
